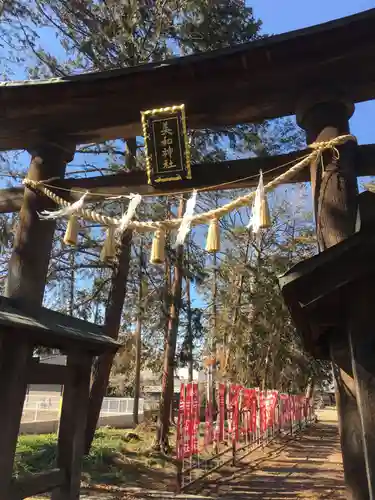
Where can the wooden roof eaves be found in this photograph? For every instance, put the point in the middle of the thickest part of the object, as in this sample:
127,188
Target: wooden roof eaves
51,328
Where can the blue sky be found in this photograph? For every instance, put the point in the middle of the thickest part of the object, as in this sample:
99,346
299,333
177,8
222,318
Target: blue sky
280,16
286,15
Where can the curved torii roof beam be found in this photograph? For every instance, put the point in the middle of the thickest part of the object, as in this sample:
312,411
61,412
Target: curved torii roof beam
247,83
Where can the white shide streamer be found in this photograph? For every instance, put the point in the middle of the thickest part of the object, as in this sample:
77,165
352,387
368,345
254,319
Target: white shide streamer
185,225
255,220
64,212
135,200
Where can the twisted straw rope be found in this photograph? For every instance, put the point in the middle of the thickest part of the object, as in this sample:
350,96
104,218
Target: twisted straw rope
217,213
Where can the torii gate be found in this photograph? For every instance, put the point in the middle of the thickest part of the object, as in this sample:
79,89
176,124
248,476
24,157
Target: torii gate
317,73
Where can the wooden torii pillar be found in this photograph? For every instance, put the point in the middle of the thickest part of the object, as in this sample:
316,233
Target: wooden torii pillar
29,261
335,195
27,274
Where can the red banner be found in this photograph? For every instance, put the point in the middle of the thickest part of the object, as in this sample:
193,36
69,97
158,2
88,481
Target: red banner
240,410
220,417
249,410
272,397
234,394
195,420
262,411
284,409
188,421
181,424
221,411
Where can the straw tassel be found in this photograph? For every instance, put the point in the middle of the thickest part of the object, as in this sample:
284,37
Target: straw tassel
108,252
213,237
71,233
158,247
265,217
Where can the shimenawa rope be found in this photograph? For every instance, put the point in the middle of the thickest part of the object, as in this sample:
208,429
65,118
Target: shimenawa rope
203,218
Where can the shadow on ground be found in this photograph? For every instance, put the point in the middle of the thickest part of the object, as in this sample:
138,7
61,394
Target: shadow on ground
309,467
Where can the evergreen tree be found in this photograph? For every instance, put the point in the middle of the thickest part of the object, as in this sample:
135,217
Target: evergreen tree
103,35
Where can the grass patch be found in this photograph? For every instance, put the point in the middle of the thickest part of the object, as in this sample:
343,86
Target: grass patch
117,456
35,454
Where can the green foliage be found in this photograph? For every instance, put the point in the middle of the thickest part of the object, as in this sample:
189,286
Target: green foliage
116,456
252,323
35,454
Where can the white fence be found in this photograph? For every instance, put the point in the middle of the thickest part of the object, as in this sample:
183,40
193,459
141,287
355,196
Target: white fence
47,407
121,405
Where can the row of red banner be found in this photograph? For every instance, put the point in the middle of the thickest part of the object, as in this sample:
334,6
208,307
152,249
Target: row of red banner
239,412
188,421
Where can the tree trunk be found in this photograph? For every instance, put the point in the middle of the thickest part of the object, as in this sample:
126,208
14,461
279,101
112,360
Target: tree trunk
138,340
266,364
112,320
310,388
236,314
162,442
189,331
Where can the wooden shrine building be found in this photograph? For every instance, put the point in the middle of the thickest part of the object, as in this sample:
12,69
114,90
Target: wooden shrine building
22,328
318,74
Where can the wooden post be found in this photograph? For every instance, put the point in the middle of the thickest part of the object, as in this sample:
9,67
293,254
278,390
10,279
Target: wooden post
71,441
14,359
179,473
26,282
362,347
234,448
361,335
334,188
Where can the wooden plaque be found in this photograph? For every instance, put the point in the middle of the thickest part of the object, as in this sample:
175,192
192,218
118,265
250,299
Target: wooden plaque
166,144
